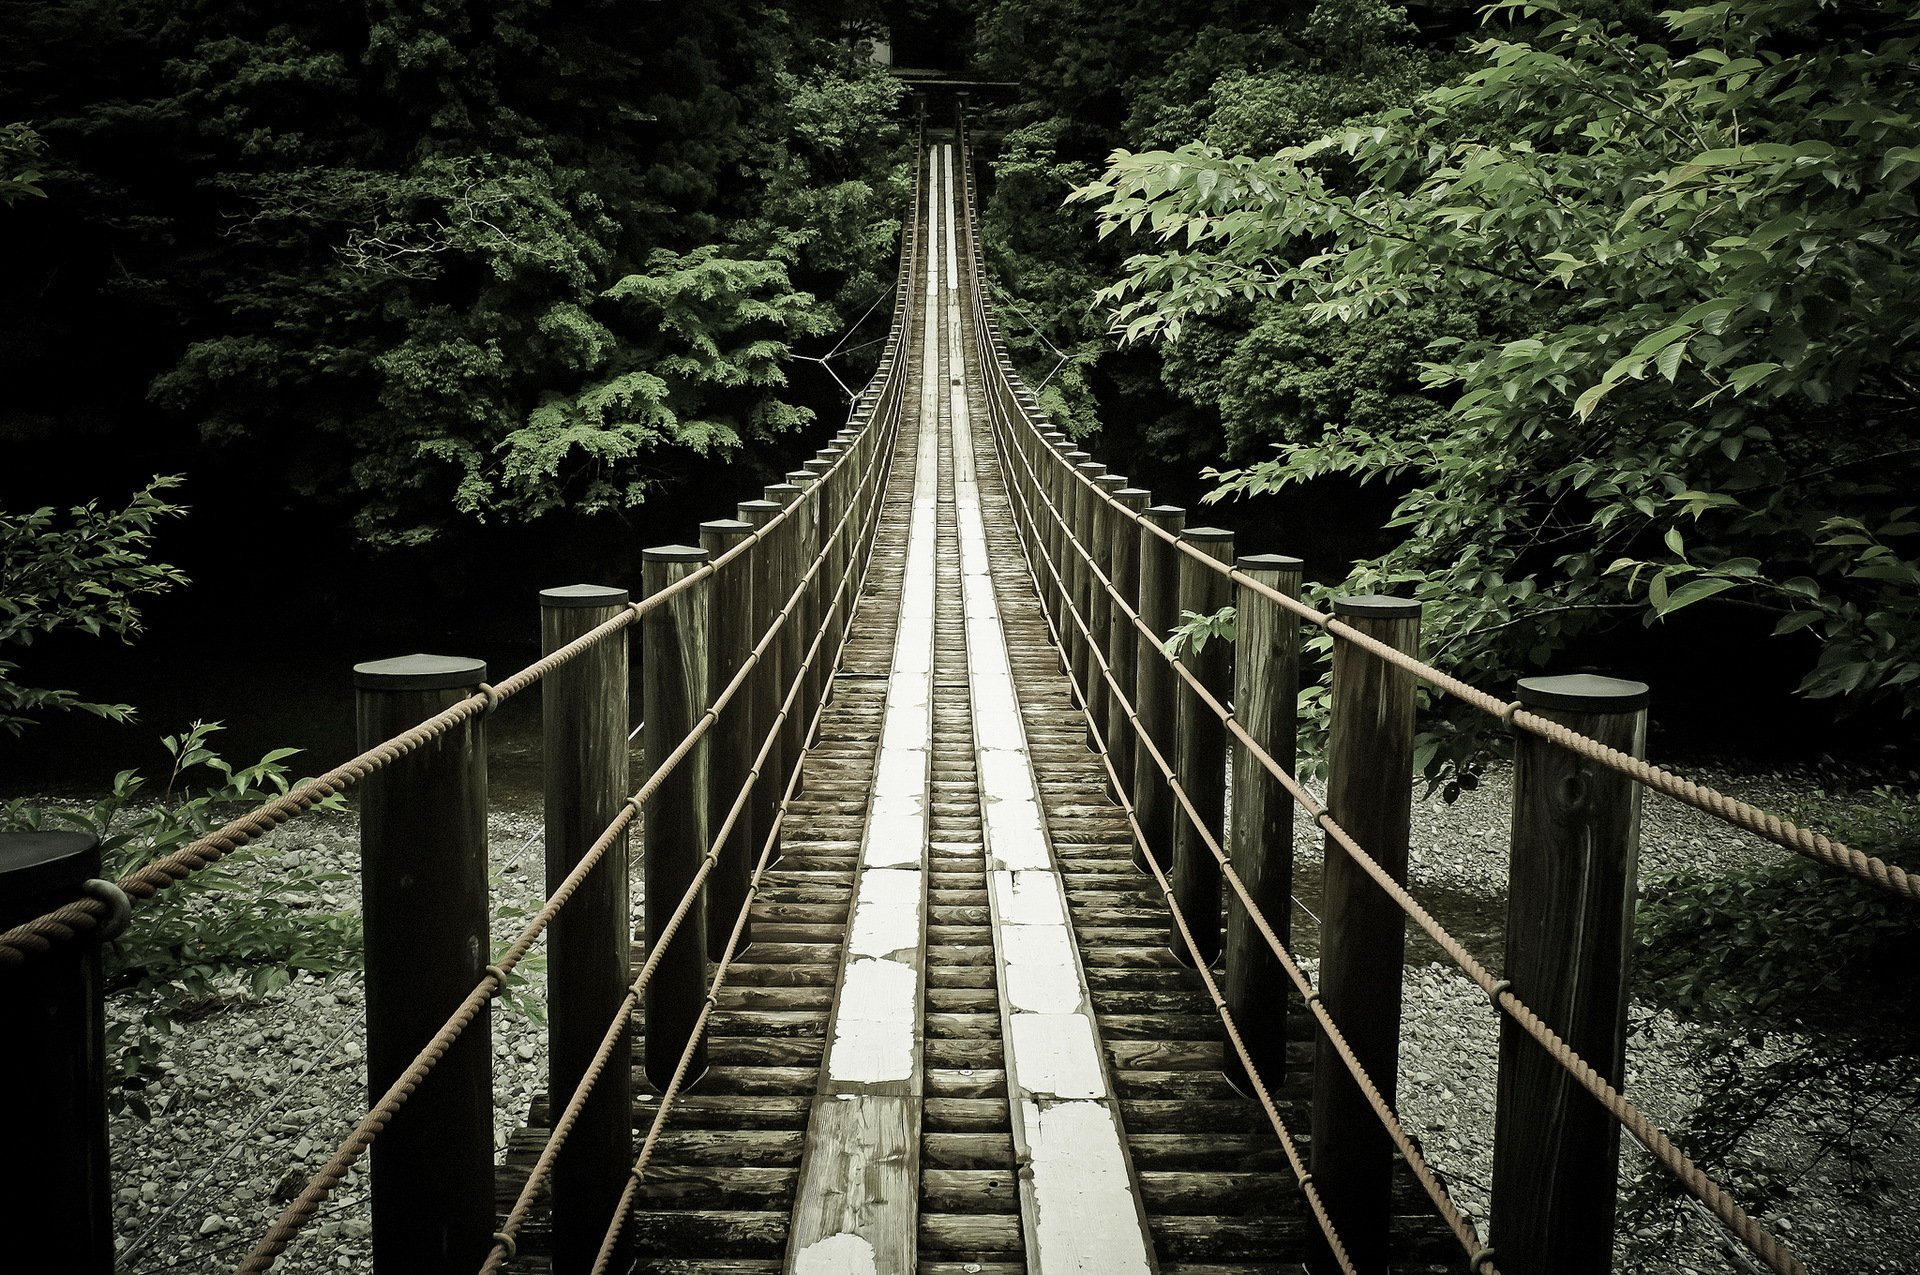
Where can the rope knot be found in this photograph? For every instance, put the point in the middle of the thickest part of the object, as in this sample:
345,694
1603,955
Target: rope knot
506,1241
499,977
119,907
1482,1261
485,691
1493,993
1506,718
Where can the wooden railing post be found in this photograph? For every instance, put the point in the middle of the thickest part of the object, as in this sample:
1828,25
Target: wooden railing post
808,529
590,943
1051,469
1362,931
1072,571
56,1179
789,543
1101,529
423,891
767,688
674,694
1154,682
1201,749
1082,519
1570,893
1123,546
736,737
1266,683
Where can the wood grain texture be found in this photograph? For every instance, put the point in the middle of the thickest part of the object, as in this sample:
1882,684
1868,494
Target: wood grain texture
674,693
1266,683
1575,852
1362,932
584,763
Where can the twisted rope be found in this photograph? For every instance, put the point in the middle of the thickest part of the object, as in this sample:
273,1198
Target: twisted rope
504,1240
1695,1181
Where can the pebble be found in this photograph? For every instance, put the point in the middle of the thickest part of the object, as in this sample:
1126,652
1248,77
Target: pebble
1449,1059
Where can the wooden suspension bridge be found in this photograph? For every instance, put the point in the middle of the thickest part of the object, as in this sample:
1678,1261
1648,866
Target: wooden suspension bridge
960,952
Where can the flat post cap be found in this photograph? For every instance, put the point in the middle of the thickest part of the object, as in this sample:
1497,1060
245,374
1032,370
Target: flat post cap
583,595
420,673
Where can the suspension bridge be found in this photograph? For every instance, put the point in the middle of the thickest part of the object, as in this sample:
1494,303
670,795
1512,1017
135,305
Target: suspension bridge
966,942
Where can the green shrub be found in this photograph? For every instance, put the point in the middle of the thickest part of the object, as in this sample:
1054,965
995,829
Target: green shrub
241,928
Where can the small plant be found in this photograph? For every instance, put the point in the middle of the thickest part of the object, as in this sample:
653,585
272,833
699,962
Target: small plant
242,927
1195,630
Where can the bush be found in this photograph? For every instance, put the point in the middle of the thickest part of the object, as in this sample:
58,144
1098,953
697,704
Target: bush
238,929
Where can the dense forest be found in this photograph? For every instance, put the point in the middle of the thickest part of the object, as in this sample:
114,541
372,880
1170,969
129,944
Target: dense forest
1594,328
411,294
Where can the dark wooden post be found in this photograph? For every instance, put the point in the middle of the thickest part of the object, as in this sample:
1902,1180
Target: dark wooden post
786,546
735,737
1123,546
1072,570
589,944
423,891
1201,748
1154,682
1083,516
1102,528
1570,892
810,616
56,1180
1266,684
767,686
674,692
1362,931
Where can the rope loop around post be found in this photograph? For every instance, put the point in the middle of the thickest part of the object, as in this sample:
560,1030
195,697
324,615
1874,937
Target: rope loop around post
119,907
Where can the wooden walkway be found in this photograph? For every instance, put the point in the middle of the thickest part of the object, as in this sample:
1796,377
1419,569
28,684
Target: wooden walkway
959,1043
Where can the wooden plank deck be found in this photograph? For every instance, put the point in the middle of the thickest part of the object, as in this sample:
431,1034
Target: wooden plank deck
940,1173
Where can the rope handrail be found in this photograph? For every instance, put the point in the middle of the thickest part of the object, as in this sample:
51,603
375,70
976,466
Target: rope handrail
1783,832
71,920
1757,1238
297,1213
563,1126
1761,1241
1463,1230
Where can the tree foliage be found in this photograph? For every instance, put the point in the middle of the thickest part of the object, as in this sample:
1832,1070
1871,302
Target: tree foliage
87,573
1660,295
400,252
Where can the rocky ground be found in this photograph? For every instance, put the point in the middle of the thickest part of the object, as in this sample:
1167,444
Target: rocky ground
256,1096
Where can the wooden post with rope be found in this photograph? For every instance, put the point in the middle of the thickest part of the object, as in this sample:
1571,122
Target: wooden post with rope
1201,749
1362,931
1570,893
766,686
423,890
674,695
786,557
1266,683
57,1182
735,739
1082,520
1102,527
1153,682
590,942
1123,568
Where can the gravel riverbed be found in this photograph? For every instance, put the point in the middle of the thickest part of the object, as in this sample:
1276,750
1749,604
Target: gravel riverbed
255,1097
